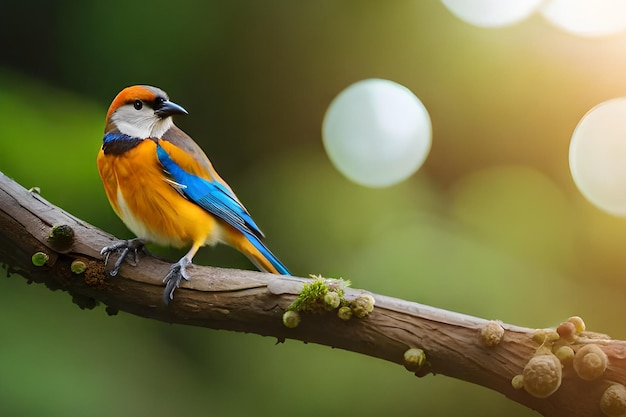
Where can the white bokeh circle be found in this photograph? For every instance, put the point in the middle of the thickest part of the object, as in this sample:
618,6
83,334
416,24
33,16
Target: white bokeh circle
377,132
589,18
492,13
597,156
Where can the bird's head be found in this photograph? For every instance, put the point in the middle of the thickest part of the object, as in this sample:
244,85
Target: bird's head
142,111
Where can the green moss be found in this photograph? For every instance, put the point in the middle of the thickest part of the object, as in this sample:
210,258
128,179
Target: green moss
39,259
323,294
61,231
414,359
320,295
61,236
78,266
363,305
344,313
332,300
311,298
291,319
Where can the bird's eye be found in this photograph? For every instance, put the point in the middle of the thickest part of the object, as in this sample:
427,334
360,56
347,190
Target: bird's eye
138,104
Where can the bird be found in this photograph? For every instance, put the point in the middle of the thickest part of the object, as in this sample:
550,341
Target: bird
164,188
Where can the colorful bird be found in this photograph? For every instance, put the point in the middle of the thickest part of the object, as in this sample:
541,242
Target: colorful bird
165,189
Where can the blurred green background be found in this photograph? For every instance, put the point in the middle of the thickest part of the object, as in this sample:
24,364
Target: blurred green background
491,226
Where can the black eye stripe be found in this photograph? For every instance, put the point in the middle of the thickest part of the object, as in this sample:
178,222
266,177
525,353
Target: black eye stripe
138,104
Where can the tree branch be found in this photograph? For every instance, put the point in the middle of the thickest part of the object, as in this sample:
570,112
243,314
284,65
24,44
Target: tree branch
254,302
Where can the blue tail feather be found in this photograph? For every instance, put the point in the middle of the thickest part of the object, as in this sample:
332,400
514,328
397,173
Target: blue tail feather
282,269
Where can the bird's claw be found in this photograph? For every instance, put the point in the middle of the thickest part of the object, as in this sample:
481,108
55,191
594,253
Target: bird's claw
176,274
125,247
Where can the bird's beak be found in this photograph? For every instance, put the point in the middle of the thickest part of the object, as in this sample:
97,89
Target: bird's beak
169,108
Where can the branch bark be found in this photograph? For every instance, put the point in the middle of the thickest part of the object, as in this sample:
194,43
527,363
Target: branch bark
254,302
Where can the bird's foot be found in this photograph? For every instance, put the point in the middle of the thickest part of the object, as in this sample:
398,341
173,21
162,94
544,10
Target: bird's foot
125,247
177,273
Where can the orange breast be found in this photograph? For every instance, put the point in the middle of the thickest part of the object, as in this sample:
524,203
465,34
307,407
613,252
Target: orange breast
149,205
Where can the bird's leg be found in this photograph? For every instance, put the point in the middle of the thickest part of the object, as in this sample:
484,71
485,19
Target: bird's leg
177,273
125,246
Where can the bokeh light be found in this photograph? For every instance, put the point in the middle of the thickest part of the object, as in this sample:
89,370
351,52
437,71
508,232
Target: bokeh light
597,154
377,132
492,13
587,17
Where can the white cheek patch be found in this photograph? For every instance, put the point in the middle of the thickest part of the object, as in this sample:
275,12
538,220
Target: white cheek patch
140,123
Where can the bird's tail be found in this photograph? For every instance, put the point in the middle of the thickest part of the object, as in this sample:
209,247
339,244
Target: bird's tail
260,255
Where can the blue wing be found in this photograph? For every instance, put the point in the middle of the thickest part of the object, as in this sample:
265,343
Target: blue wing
220,201
210,195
